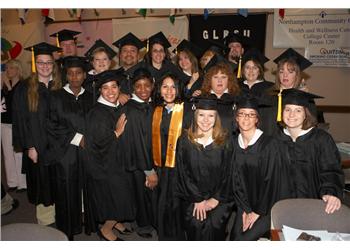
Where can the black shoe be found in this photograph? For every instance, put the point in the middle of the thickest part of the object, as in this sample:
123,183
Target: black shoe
145,235
21,190
100,234
11,189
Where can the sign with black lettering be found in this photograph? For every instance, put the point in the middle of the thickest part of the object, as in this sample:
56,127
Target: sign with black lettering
217,27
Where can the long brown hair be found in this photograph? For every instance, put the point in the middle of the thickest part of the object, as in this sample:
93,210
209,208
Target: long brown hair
33,85
224,68
219,134
191,57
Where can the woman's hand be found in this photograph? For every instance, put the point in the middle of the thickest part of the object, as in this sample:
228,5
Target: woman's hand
199,210
211,204
197,93
120,126
249,220
33,155
333,203
151,181
123,98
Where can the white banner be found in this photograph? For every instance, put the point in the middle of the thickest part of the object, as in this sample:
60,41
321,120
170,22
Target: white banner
327,56
145,27
307,27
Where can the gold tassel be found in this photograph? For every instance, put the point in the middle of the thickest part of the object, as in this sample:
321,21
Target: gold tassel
57,40
239,71
279,110
33,61
147,48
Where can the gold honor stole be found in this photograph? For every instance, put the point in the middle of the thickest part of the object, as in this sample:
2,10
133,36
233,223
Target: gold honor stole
173,134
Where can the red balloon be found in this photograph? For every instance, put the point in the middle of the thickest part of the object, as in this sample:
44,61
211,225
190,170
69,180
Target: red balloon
16,50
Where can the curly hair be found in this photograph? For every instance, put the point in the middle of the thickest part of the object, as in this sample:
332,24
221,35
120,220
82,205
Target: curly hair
223,68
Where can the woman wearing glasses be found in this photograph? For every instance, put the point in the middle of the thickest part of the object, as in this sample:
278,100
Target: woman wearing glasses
30,109
257,173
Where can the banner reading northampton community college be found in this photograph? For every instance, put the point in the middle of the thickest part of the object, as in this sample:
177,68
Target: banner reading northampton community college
325,34
217,27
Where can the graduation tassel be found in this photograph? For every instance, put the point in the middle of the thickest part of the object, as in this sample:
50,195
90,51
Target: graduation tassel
239,71
279,110
147,47
33,61
57,41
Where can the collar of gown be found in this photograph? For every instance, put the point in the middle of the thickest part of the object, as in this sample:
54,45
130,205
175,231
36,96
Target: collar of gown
256,136
136,98
105,102
303,132
66,88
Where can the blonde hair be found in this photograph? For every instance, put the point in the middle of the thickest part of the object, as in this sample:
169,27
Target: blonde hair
224,68
219,134
33,85
18,65
207,53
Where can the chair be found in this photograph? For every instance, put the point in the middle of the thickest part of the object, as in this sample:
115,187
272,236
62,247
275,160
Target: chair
309,214
31,232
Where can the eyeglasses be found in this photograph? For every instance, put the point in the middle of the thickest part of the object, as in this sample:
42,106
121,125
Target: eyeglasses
49,63
250,115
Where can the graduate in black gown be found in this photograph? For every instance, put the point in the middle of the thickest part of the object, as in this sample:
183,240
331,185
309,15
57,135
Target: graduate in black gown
290,66
137,149
110,186
314,164
186,60
101,57
202,163
129,47
30,109
158,58
66,129
166,128
67,41
258,170
253,82
220,83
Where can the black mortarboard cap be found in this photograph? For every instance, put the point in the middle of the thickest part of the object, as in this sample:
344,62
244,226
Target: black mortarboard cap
107,76
129,39
98,44
159,38
43,49
204,102
236,38
141,73
216,46
256,55
213,61
251,102
292,54
185,44
298,97
64,35
74,61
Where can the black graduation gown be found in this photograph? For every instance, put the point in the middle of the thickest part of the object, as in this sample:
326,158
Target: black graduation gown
89,85
110,187
167,205
260,170
137,155
314,165
67,115
126,82
167,67
226,110
202,174
32,130
197,85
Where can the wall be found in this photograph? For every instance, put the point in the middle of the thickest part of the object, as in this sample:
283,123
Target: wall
332,83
